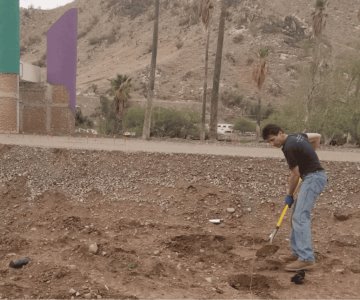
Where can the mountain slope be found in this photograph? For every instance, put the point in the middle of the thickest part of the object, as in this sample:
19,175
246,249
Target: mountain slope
115,37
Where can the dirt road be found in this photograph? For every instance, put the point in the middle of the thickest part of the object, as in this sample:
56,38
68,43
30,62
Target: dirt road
135,145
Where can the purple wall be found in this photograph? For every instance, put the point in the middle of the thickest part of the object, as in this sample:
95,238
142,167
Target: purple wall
62,53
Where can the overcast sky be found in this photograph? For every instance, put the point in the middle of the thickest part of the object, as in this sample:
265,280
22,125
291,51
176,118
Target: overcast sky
44,4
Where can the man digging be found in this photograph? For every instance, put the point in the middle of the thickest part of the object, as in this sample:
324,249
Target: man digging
299,150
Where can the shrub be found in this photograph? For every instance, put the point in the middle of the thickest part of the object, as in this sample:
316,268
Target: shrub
238,38
109,38
134,120
175,124
190,14
249,61
41,62
34,40
230,58
244,125
135,8
179,44
232,99
96,40
108,124
165,122
184,21
81,120
22,50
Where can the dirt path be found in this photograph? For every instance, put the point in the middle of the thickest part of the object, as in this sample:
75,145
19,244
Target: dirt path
135,145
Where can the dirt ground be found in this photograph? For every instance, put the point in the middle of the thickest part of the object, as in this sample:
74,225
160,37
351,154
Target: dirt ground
99,224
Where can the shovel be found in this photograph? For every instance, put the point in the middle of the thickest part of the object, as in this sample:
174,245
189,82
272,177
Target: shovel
278,224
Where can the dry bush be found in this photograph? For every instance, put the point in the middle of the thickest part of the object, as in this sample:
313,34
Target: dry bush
109,38
151,16
22,50
179,44
230,58
190,14
135,8
96,40
275,89
92,24
232,98
233,3
249,61
41,62
185,20
33,40
188,75
238,38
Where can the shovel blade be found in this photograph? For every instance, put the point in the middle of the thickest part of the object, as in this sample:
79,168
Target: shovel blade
272,235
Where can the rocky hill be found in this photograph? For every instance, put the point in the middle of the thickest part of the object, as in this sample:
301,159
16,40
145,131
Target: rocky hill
115,37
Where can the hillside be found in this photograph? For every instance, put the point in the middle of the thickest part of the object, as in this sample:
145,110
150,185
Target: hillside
115,37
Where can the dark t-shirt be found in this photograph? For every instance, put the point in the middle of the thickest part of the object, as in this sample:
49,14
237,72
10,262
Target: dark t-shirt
299,152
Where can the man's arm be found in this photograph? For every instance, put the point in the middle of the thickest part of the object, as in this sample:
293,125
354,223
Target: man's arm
293,180
314,139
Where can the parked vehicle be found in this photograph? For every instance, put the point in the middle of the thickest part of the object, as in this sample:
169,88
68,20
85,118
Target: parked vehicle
223,128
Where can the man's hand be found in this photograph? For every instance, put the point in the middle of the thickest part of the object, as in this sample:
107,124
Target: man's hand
289,200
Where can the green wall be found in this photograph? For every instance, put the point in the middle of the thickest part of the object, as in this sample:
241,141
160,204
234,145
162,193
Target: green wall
9,36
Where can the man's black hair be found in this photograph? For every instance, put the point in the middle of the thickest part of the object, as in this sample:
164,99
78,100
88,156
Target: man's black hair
270,129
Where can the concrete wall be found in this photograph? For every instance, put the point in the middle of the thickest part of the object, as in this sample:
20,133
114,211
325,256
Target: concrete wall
44,109
8,102
31,73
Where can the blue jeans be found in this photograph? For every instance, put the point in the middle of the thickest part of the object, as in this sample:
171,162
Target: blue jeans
313,184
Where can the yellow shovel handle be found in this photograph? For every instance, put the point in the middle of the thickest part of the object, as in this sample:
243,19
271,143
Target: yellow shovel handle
282,215
286,206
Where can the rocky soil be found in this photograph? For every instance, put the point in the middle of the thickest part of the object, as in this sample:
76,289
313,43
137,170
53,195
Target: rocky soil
136,225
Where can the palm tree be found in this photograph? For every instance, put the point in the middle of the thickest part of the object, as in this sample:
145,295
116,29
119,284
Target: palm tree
150,96
121,87
217,72
205,12
259,76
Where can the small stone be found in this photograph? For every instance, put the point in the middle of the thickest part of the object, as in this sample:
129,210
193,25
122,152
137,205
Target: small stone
93,248
230,210
156,252
87,296
72,267
341,216
208,279
355,269
72,291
